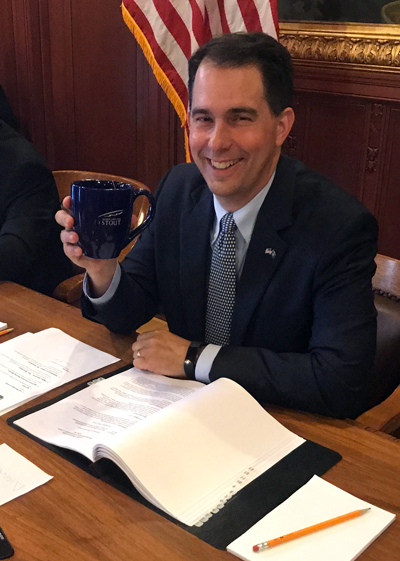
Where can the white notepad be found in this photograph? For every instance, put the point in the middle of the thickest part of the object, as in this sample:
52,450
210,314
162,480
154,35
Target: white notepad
3,325
315,502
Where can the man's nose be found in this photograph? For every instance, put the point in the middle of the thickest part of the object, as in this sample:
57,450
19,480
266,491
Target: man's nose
220,138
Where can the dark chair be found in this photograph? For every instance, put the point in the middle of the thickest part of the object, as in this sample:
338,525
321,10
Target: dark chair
70,290
384,397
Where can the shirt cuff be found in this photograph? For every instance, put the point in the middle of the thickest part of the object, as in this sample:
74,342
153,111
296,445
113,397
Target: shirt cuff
109,293
204,363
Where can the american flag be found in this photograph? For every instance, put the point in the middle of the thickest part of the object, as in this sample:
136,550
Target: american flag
169,31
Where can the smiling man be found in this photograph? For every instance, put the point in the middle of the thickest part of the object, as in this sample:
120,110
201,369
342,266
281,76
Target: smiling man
261,266
235,138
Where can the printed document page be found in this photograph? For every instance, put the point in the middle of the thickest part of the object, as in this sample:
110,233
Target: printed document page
105,408
33,364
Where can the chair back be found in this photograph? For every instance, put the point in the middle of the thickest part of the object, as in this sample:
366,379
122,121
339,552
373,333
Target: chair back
71,289
387,276
386,286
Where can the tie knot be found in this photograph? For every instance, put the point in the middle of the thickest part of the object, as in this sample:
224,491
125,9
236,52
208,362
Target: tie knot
227,223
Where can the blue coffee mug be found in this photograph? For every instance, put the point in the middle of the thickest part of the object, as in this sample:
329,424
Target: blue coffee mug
102,212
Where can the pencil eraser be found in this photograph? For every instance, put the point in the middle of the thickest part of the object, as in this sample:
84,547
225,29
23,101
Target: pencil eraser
255,548
3,325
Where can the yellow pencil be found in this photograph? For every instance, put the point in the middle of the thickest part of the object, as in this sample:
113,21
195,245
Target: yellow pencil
309,529
5,331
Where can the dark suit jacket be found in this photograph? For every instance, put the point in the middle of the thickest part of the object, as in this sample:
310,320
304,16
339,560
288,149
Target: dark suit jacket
304,324
30,247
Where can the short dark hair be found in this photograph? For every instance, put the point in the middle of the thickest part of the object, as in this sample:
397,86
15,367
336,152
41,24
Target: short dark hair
257,49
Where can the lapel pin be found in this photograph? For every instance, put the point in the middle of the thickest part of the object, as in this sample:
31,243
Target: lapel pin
271,252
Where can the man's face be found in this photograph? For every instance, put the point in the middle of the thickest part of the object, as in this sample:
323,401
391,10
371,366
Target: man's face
234,137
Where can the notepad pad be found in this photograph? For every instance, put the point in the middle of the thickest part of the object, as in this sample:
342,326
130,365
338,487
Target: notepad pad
315,502
3,325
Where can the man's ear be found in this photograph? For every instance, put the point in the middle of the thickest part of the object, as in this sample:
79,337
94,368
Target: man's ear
284,124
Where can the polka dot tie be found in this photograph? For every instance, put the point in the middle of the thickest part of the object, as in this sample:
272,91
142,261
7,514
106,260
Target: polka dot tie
222,284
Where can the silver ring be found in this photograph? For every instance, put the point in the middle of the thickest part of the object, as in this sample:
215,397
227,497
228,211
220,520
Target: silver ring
138,354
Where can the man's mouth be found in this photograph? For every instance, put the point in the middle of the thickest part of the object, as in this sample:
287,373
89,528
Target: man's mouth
224,165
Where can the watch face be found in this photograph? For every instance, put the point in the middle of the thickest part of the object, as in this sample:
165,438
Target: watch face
188,367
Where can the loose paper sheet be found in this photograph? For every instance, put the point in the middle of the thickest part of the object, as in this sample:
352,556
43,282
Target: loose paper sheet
315,502
33,364
18,475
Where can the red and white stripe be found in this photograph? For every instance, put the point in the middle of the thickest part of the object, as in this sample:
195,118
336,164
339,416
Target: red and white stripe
174,29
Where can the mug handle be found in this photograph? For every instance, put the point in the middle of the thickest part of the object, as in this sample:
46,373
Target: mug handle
150,214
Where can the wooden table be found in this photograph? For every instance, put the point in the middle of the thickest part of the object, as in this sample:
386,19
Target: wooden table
75,517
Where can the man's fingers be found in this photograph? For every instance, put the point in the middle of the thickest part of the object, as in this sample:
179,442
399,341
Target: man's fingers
69,236
134,221
63,216
146,335
64,219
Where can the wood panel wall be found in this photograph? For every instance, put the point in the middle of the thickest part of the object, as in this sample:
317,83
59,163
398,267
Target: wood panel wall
87,99
83,91
348,128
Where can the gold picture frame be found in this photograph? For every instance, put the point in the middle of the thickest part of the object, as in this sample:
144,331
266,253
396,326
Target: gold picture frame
348,43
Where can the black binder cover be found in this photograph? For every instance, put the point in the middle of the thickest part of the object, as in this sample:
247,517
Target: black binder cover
242,511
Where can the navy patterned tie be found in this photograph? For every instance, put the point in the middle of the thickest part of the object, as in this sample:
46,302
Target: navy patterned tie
222,284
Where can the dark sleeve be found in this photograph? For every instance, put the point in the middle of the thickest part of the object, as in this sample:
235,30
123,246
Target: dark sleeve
6,113
332,376
28,232
135,301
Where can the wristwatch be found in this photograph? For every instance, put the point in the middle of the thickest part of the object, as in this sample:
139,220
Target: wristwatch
194,351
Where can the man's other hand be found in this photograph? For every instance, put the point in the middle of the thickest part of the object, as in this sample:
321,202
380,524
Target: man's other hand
160,352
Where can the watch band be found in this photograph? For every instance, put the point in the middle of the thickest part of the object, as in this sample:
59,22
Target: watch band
194,351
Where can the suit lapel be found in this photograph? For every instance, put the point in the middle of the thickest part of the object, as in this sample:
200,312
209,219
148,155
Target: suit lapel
196,223
266,249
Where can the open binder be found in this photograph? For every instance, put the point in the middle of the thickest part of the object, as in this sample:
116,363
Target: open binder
243,510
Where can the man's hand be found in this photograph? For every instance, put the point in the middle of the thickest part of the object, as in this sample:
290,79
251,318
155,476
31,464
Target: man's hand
100,271
160,352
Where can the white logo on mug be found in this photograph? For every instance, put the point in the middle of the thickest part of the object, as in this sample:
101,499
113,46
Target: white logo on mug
112,218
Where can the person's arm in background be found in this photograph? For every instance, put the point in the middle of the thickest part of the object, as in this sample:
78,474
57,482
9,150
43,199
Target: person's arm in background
29,236
6,113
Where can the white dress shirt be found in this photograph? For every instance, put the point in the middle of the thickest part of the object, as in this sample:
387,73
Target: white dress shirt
245,218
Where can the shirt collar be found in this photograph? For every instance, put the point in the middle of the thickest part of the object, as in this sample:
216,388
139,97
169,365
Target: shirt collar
245,217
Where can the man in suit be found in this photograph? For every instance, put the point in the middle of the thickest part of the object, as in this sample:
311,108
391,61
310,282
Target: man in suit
28,201
303,326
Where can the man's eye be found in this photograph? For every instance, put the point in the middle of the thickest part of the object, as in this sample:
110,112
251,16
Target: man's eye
203,119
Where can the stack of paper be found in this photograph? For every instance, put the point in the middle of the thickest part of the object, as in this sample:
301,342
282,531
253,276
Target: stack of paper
35,363
313,503
186,447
